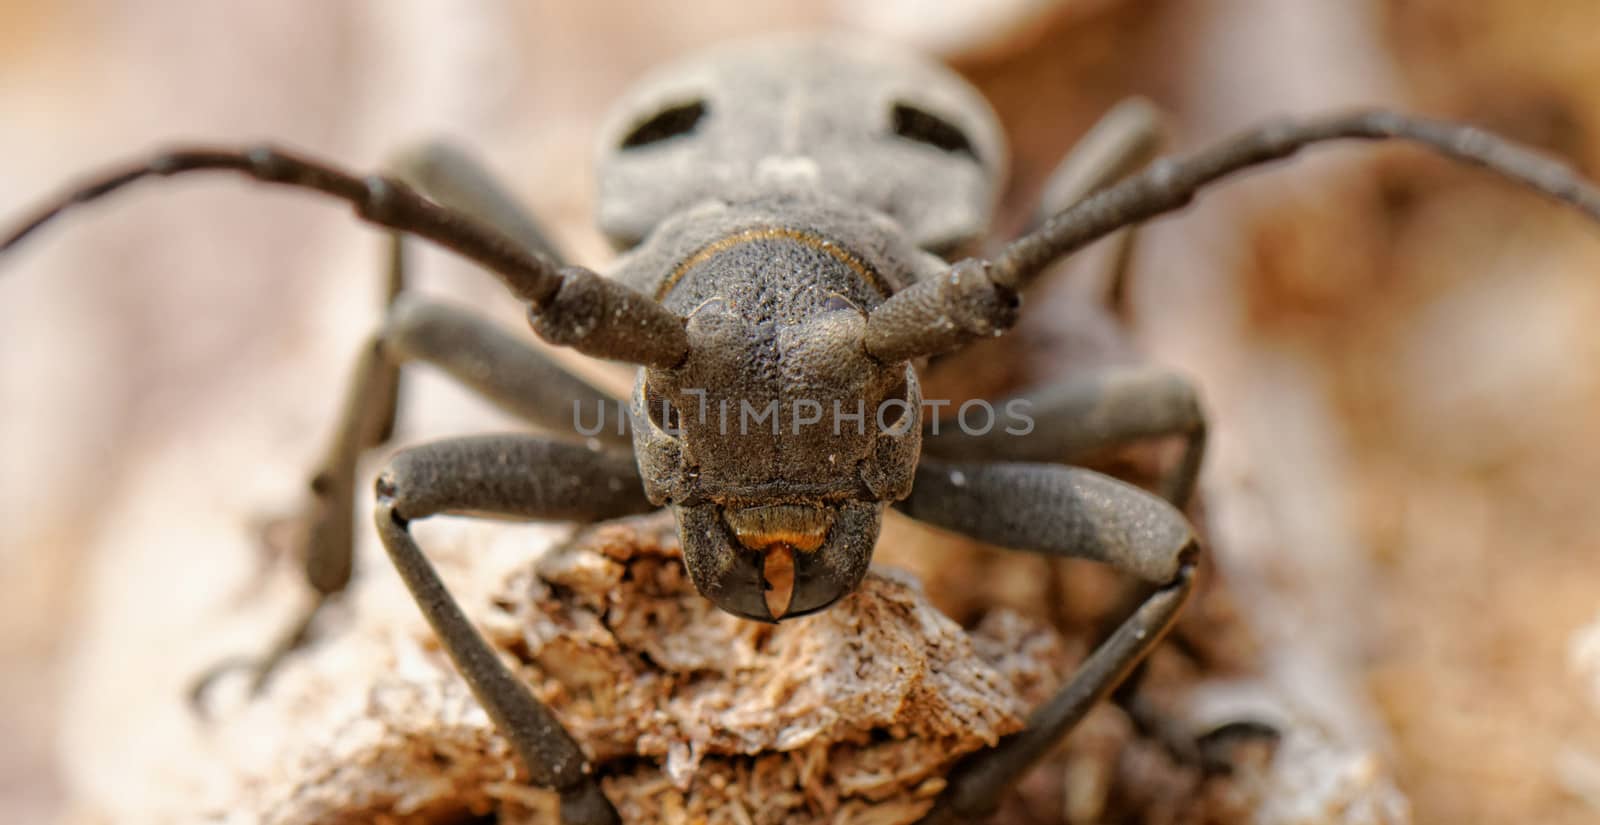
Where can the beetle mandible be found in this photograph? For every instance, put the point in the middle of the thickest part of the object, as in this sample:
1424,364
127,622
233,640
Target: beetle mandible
786,211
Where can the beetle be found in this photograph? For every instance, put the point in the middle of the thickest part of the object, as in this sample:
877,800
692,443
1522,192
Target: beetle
786,212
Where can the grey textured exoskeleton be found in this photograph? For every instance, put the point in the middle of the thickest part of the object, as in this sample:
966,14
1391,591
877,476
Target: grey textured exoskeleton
785,210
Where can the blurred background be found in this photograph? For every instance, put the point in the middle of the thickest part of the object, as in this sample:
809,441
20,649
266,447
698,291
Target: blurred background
1398,355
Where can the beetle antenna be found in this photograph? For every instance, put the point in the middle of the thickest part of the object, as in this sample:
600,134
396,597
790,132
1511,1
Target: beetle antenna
378,199
1168,185
386,201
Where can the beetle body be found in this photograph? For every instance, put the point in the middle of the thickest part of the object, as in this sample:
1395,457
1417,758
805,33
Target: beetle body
786,211
774,206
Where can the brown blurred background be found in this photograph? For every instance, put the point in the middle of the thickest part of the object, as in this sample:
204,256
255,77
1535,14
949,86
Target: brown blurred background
1399,354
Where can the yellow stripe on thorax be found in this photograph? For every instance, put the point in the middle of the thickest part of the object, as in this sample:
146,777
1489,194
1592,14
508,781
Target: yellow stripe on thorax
763,233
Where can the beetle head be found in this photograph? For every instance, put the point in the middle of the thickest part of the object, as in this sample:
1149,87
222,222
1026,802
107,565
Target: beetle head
778,444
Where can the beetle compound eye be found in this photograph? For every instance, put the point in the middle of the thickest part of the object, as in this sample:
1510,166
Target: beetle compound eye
923,126
836,302
674,121
895,411
663,413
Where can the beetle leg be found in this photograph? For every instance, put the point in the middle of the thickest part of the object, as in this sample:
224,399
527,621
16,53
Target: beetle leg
520,477
502,368
508,372
452,176
1122,141
1091,411
1064,511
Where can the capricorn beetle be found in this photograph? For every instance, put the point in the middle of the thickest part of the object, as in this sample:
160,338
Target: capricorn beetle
786,213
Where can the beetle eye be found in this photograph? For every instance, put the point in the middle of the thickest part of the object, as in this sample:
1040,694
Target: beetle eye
837,302
897,403
674,121
663,413
922,126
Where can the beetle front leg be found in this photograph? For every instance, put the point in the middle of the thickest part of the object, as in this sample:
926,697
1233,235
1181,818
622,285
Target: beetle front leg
1063,511
503,369
519,477
498,366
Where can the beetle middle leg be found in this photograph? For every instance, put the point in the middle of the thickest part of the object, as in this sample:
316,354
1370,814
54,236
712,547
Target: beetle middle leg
501,368
1064,511
519,477
1095,410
